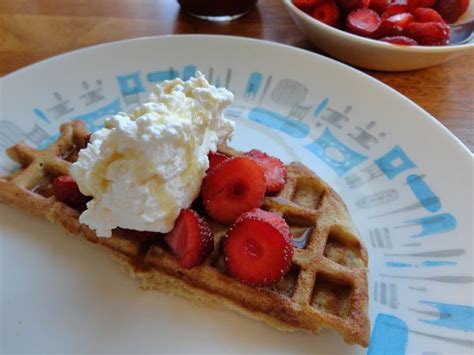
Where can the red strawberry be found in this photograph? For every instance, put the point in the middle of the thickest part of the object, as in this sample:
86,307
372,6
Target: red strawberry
66,190
401,40
422,14
429,33
380,6
363,22
258,248
272,218
413,4
273,168
393,10
215,159
327,12
305,5
349,5
451,10
191,240
235,186
464,5
394,25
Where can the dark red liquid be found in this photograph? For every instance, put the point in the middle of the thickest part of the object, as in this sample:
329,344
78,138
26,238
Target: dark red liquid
216,7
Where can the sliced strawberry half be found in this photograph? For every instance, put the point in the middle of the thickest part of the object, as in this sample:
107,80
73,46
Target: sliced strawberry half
394,25
393,10
429,33
273,168
191,240
305,5
350,5
235,186
451,10
215,159
414,4
464,5
272,218
380,6
423,14
66,190
363,22
327,12
258,248
400,40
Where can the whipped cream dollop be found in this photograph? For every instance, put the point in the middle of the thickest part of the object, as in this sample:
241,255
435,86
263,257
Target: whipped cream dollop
144,167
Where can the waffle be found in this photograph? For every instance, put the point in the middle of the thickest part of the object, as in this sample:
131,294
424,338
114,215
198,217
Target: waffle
325,288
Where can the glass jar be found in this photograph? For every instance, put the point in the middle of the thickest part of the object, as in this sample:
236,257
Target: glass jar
217,10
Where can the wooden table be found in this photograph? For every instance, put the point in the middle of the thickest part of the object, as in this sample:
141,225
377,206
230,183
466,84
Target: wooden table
32,30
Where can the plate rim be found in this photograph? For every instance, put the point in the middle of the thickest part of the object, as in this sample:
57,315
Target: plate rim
463,150
455,149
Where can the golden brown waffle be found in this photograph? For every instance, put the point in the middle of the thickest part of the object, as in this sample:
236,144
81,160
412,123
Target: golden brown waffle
327,284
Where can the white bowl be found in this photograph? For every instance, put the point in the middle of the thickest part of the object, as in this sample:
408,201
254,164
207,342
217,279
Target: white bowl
368,53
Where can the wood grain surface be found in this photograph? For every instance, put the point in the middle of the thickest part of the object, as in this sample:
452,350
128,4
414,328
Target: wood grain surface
32,30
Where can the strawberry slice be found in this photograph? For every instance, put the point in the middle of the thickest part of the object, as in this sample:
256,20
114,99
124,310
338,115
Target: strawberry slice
273,168
350,5
66,190
429,33
464,5
191,240
235,186
305,5
215,159
363,22
380,6
272,218
327,12
451,10
422,14
394,25
400,40
414,4
258,248
393,10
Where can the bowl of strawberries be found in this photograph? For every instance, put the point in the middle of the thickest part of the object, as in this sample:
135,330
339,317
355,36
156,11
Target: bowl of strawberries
387,35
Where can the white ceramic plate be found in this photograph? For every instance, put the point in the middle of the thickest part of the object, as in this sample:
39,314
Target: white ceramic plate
405,178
